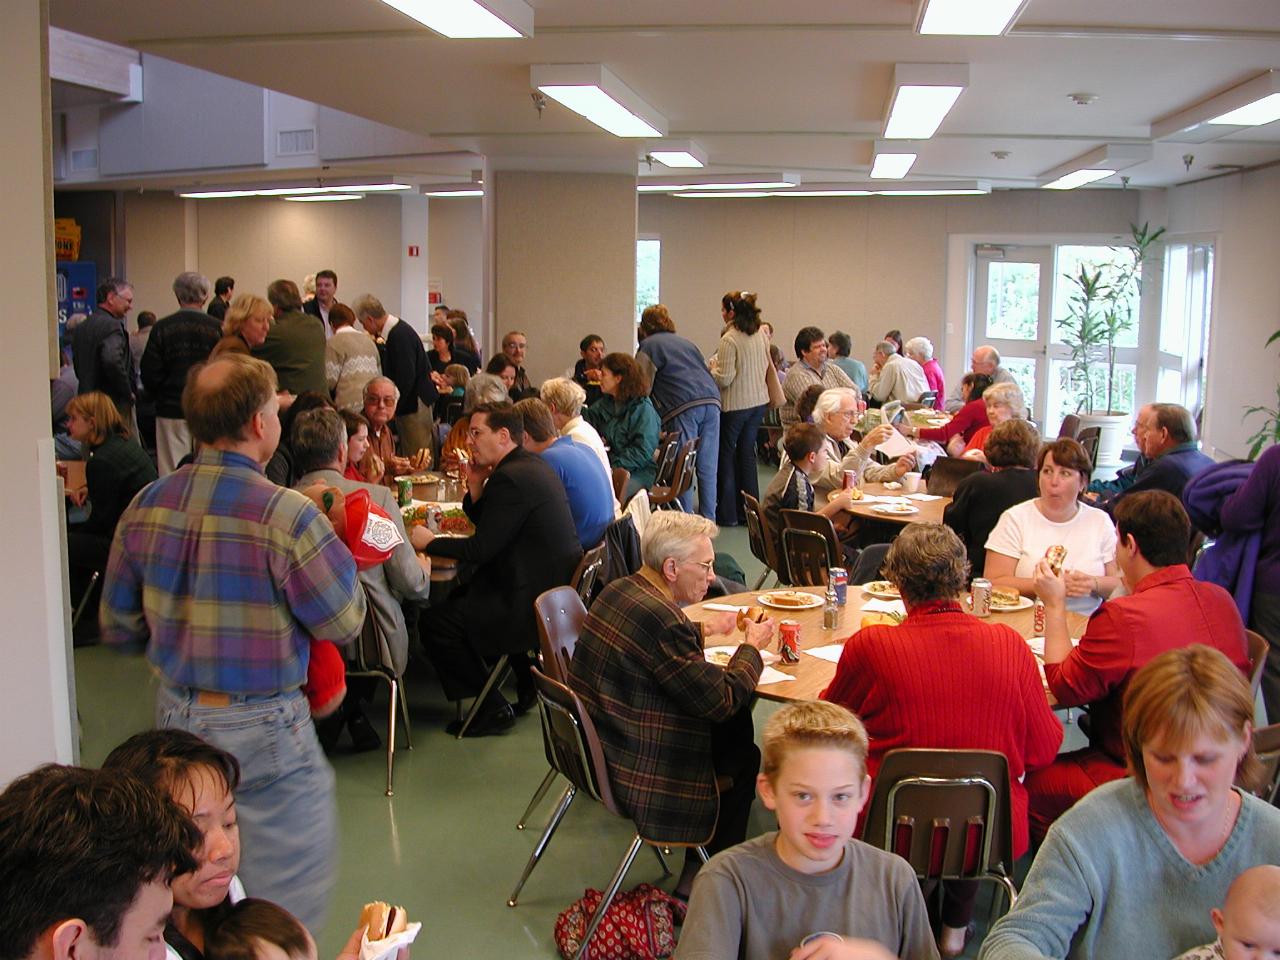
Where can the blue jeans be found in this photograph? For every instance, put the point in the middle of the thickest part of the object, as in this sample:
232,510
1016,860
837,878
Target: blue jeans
737,467
285,803
704,422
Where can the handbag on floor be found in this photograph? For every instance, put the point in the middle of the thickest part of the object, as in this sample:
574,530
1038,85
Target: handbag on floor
640,924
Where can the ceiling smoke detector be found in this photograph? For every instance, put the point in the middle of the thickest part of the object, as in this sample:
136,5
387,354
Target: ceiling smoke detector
1082,99
1000,154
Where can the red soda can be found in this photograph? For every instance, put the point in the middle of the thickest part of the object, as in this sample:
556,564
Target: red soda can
1038,613
789,640
850,480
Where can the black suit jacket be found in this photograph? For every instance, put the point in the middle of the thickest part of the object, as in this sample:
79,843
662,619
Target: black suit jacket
404,361
524,544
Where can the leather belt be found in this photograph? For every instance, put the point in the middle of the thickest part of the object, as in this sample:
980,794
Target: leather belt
212,698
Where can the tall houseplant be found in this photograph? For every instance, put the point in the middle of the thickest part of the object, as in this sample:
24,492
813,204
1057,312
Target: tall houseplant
1269,432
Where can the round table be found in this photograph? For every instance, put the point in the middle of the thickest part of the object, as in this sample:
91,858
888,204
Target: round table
813,674
928,511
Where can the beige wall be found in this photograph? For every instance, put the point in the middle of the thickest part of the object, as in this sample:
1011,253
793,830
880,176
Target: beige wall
1239,214
564,263
457,254
862,265
261,240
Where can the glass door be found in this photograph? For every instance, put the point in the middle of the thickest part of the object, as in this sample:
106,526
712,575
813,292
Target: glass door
1013,295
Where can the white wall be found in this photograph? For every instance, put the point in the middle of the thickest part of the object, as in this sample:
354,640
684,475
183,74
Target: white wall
1239,214
457,255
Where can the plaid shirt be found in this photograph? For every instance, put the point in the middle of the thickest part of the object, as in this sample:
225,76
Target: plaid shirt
229,577
639,668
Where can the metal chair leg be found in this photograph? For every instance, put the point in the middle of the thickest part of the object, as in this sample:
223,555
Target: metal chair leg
557,815
702,854
764,576
538,794
84,600
496,676
666,871
393,693
619,875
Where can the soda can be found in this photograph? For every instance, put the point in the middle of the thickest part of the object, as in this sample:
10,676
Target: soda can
850,480
980,596
840,580
1039,618
404,491
789,640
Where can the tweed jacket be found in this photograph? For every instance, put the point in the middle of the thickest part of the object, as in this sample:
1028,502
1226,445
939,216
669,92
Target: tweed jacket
640,671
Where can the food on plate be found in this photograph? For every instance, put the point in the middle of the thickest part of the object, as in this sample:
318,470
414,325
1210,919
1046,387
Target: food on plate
416,516
420,460
892,485
855,493
871,619
382,920
456,520
720,658
1056,555
750,615
789,598
881,587
1005,598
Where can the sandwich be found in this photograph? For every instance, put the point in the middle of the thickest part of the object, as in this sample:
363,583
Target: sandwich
750,615
420,460
789,599
382,920
1005,597
1056,555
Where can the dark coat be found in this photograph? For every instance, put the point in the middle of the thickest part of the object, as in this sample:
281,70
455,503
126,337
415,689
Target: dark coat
524,545
295,349
1169,472
404,362
102,357
177,343
640,671
979,500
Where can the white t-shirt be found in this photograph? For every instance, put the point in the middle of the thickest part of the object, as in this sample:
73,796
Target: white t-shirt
1024,533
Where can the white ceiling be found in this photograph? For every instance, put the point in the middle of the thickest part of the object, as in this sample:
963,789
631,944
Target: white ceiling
761,84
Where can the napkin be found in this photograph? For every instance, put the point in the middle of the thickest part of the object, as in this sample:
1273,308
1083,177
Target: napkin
830,652
768,656
884,606
769,675
726,607
896,446
1037,645
386,948
923,497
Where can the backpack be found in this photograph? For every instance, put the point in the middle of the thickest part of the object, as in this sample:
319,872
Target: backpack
639,925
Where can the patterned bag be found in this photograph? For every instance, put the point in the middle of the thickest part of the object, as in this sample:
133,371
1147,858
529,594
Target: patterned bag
640,924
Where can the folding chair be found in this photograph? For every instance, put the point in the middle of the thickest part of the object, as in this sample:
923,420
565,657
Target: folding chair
574,750
947,472
1070,427
947,813
807,556
667,494
764,546
372,658
1089,438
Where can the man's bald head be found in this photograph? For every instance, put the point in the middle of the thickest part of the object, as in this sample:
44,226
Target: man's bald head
985,360
222,396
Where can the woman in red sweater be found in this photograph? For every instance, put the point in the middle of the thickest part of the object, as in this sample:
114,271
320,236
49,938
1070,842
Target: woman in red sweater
948,680
968,420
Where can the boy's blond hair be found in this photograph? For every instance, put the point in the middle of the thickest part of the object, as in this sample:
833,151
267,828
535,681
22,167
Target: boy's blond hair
811,724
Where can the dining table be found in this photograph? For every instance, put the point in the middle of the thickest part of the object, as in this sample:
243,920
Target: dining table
443,569
879,497
820,647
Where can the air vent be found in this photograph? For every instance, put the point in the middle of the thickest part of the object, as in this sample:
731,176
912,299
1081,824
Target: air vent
292,143
82,160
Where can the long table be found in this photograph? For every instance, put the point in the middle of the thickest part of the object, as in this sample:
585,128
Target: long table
813,674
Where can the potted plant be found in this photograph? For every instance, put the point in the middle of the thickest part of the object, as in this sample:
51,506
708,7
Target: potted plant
1101,308
1269,432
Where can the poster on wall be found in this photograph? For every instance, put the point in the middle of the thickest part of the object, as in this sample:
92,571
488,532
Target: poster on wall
77,285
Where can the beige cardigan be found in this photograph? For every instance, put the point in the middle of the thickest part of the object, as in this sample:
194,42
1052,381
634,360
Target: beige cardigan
740,369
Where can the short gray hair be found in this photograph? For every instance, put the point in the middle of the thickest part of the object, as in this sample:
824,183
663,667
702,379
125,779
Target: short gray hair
316,439
563,395
483,388
927,561
191,287
670,533
919,345
376,380
829,401
887,347
1009,395
367,305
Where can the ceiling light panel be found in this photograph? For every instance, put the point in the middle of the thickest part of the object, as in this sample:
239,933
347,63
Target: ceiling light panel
1095,165
1253,103
471,19
859,188
1078,178
893,159
292,191
722,181
594,92
323,197
923,95
972,18
681,154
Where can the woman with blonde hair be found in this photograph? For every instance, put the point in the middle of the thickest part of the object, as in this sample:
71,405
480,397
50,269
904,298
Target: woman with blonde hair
245,326
1135,867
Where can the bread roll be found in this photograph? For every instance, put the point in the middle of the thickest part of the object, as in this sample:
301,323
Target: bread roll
855,493
382,920
750,615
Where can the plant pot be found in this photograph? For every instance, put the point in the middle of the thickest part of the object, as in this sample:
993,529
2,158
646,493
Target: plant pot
1113,427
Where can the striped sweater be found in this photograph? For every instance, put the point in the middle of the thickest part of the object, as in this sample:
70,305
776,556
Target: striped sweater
740,369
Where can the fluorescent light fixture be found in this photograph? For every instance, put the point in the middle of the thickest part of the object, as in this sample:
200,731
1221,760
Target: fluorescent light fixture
923,94
679,153
1253,103
935,188
771,180
594,92
323,197
446,192
470,19
893,159
835,192
971,18
1095,165
299,190
726,194
861,188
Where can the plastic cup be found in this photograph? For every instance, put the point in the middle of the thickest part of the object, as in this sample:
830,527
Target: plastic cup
911,482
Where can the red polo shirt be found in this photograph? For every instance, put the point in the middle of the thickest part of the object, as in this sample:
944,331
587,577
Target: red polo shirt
1167,609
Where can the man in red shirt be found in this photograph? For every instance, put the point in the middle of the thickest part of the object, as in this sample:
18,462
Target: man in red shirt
1166,608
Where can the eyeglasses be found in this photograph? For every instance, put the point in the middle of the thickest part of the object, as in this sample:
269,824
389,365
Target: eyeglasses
383,401
708,566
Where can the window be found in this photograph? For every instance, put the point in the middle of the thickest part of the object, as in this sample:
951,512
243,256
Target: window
648,267
1184,324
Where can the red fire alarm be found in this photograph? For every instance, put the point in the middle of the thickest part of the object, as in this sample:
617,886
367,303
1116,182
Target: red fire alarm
413,250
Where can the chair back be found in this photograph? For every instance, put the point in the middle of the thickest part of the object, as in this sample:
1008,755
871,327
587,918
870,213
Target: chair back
452,411
569,737
1089,438
638,509
815,523
1257,646
946,812
560,619
947,472
1266,744
867,567
928,398
371,653
763,541
621,477
807,557
1070,427
663,494
587,575
668,452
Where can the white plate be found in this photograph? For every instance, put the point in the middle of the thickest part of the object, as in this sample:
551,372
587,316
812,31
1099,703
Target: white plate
881,590
895,509
721,656
814,601
1023,603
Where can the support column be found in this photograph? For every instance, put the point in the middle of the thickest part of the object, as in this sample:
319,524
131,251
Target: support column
413,269
35,692
563,263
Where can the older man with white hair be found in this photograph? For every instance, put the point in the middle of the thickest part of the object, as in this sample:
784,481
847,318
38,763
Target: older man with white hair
985,360
920,349
894,377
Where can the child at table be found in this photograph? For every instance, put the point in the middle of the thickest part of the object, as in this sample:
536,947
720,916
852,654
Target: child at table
808,891
792,486
1248,924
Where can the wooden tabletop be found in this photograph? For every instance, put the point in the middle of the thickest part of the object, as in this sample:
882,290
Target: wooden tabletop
814,674
927,511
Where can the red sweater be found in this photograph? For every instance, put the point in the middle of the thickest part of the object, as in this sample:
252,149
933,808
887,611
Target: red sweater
945,679
1167,609
967,421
